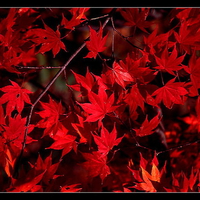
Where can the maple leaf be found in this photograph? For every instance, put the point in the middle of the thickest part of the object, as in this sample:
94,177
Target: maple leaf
158,40
45,166
170,62
136,67
194,71
85,84
27,184
25,57
70,24
9,21
145,181
172,92
119,75
78,16
51,117
14,132
47,38
147,127
138,99
100,105
79,12
136,17
188,37
96,43
14,96
52,41
106,141
63,141
96,165
181,183
83,129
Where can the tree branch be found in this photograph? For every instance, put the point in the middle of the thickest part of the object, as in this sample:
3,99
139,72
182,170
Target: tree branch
124,37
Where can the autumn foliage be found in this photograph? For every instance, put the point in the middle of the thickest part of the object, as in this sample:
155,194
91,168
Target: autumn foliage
99,99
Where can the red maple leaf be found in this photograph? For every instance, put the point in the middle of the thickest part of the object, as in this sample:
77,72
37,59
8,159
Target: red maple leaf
194,70
171,93
52,41
157,40
47,167
106,141
136,17
147,127
188,37
70,24
47,38
137,68
15,96
27,183
83,129
96,43
100,105
63,141
14,132
78,16
138,99
85,84
96,165
51,117
144,181
79,12
119,75
170,62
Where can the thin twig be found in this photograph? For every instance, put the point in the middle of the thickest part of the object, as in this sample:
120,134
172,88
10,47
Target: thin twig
39,67
178,147
124,37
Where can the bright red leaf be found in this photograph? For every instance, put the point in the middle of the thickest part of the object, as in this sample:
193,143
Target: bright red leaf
51,117
96,165
15,97
119,75
52,41
171,93
47,38
100,105
136,17
138,99
14,132
96,42
64,142
194,71
27,185
147,127
78,16
188,37
106,141
169,63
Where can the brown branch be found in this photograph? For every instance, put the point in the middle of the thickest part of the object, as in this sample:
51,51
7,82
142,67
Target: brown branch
124,37
18,161
39,67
